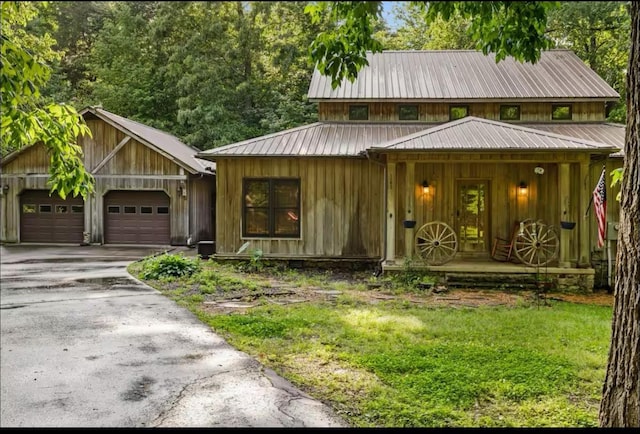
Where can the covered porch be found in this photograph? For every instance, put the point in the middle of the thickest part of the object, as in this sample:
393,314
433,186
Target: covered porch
454,192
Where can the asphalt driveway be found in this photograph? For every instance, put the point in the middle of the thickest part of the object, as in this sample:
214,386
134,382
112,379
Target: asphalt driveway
85,345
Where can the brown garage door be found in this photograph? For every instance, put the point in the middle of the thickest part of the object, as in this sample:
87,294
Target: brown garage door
50,219
136,217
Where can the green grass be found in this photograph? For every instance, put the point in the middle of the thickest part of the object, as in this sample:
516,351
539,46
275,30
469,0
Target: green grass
397,364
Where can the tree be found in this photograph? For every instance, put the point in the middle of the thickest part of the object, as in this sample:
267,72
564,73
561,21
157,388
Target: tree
26,118
518,29
598,32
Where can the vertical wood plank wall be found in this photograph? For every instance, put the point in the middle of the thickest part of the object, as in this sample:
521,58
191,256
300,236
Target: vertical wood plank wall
439,112
341,201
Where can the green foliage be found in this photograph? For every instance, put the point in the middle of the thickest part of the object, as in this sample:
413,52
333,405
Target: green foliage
26,118
616,178
167,266
218,280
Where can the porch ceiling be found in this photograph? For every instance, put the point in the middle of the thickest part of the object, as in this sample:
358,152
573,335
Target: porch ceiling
476,134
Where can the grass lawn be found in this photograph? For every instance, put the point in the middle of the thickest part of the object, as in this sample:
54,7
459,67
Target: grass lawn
398,357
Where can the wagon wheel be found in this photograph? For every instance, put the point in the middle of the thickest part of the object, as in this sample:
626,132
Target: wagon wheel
536,243
436,243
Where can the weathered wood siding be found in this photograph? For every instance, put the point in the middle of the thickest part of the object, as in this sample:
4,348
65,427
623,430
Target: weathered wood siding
439,112
134,167
202,209
341,206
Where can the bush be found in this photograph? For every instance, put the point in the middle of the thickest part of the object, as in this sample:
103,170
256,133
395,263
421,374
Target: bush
168,266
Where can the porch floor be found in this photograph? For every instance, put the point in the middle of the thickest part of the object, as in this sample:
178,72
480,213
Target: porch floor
489,273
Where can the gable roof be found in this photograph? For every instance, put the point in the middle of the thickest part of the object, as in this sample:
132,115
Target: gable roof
468,75
166,143
477,134
320,139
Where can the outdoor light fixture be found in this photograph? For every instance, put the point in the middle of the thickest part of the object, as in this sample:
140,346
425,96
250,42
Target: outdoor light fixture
425,187
522,188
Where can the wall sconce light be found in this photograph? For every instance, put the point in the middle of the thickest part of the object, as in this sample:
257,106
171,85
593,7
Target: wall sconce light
425,187
522,188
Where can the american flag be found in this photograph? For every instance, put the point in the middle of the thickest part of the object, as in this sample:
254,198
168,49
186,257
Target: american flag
600,206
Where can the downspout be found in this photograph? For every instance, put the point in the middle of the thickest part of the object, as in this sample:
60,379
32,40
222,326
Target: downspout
384,213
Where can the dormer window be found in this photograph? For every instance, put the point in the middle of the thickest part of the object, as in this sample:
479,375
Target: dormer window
358,112
408,112
509,112
561,112
458,112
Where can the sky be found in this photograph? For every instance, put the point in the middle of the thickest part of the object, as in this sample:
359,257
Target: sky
387,14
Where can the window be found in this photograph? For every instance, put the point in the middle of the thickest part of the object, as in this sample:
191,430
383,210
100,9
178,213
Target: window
358,112
28,209
408,112
561,112
76,209
458,112
61,209
146,210
129,209
509,112
271,208
45,208
162,210
113,210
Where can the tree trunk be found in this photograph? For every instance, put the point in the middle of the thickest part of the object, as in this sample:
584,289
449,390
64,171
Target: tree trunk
620,405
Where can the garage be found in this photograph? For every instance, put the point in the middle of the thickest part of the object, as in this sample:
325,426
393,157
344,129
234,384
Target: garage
136,217
50,219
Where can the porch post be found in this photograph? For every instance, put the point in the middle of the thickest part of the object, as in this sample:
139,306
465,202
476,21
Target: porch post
564,180
410,193
584,257
391,213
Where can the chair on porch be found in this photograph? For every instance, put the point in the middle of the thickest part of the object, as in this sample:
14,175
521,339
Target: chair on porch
502,249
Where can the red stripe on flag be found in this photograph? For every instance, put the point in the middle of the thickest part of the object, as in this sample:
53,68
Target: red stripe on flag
600,206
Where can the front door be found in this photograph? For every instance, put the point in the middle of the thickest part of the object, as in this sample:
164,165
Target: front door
472,215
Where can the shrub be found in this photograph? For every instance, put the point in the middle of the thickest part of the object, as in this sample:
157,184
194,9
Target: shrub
168,266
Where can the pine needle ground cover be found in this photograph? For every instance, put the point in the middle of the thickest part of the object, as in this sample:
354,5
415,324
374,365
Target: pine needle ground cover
392,358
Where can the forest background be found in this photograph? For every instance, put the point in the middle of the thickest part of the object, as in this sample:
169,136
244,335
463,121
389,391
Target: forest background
214,73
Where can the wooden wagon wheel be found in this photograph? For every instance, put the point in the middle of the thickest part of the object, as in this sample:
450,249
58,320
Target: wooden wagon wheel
536,243
436,243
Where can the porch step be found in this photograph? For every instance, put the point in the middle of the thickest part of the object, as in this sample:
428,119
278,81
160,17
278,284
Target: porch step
491,280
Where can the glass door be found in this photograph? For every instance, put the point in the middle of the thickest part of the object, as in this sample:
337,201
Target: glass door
472,216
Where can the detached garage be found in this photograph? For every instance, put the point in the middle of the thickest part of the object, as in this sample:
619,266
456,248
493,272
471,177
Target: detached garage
150,190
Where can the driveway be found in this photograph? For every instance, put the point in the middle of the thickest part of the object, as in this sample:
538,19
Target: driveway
83,344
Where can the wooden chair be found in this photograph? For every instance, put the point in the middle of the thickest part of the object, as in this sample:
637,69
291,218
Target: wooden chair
502,249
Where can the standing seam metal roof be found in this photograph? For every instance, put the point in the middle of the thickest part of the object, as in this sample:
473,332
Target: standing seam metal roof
465,74
471,133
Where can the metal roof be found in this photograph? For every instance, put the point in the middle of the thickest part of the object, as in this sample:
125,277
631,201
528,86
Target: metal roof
184,154
607,133
319,139
468,75
476,134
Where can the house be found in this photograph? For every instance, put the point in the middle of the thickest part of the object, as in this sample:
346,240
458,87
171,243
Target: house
431,156
150,190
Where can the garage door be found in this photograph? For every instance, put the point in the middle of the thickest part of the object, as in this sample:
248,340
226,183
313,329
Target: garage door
50,219
136,217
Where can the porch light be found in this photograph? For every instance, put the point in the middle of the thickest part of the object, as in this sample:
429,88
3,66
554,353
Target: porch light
425,187
522,188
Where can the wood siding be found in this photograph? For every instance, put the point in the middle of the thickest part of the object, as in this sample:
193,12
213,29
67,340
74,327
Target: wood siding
439,112
341,206
202,199
134,167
